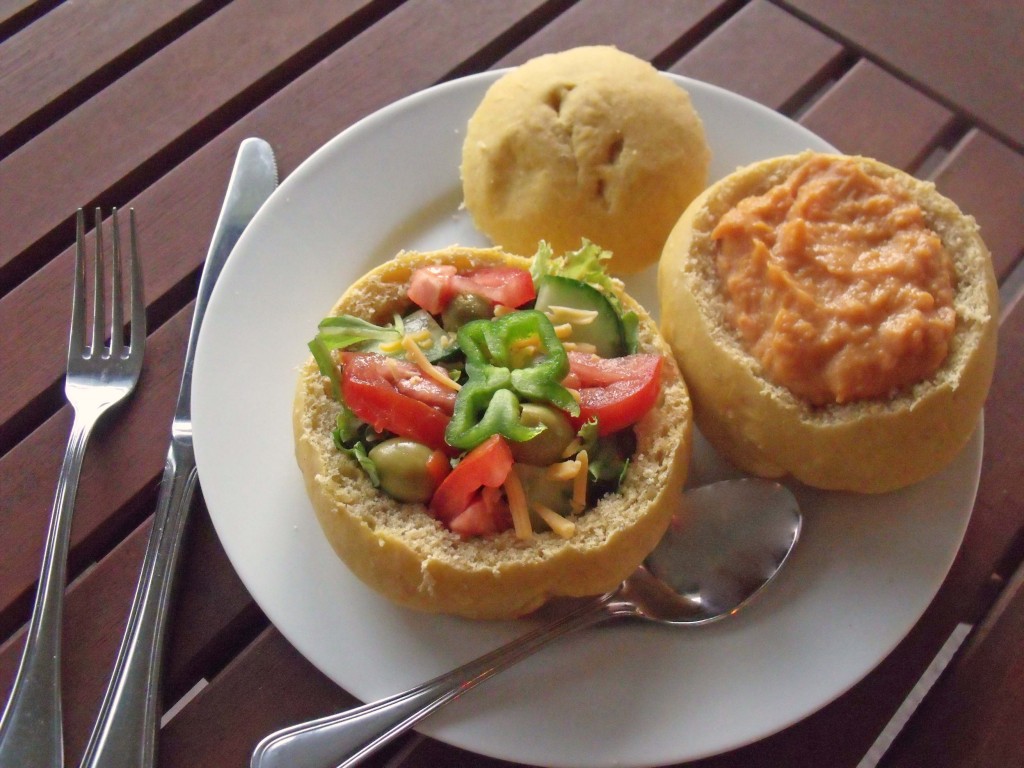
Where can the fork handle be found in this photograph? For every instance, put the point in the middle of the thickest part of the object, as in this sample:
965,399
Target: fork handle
124,735
31,732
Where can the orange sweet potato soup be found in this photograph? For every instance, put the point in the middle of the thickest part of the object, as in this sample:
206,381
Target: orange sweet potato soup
834,281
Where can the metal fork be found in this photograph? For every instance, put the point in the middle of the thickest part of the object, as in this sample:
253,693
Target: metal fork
98,377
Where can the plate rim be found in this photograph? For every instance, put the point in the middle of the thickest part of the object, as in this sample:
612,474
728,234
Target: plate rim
310,165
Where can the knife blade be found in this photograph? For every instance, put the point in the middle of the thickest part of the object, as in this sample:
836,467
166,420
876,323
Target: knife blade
125,732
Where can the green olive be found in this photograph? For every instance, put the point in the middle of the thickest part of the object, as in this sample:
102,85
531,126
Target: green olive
539,488
402,467
546,447
463,308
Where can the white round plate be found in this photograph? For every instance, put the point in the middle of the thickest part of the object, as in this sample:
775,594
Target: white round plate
625,695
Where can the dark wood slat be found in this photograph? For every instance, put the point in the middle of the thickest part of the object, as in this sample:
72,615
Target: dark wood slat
986,179
211,607
14,13
93,619
11,8
965,54
430,754
32,366
998,518
330,98
267,687
145,421
182,75
978,704
40,65
661,27
870,112
192,194
765,54
123,461
213,613
110,137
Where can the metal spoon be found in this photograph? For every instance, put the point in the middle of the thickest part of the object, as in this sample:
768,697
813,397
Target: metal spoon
726,542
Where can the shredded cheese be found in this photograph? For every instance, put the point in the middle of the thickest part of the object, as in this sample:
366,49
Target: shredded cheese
579,483
391,347
560,314
517,505
576,444
564,470
563,331
500,310
415,354
527,342
580,346
557,523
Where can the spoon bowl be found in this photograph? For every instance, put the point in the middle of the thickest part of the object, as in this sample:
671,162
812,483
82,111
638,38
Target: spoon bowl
725,543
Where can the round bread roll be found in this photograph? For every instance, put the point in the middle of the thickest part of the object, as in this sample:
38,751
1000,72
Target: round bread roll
865,445
400,550
588,143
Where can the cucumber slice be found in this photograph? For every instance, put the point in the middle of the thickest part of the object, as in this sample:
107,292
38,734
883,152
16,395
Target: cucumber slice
605,331
442,344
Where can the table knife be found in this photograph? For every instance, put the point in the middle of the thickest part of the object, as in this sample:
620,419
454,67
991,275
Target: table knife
125,732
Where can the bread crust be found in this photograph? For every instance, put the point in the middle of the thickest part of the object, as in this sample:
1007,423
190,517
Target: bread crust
870,446
404,553
586,143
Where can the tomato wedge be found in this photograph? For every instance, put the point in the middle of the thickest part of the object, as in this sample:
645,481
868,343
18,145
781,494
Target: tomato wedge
486,466
432,287
486,515
617,390
392,395
510,286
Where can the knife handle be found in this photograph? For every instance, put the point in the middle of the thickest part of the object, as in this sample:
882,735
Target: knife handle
124,735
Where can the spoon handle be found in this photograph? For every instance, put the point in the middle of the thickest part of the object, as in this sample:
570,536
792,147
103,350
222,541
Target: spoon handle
344,739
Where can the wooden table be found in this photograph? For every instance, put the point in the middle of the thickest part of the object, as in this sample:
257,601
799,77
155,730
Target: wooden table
144,104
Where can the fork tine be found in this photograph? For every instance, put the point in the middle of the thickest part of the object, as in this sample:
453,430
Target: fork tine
98,321
136,300
77,340
116,310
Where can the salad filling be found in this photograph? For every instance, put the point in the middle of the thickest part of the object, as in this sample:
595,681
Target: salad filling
501,399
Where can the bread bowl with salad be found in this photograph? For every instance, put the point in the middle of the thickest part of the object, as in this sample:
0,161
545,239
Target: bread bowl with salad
479,432
835,319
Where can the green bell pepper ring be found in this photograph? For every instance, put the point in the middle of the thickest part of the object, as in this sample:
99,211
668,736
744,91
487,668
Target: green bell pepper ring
500,373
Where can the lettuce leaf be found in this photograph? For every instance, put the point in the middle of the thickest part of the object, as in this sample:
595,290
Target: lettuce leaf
347,428
345,330
586,264
361,457
340,332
